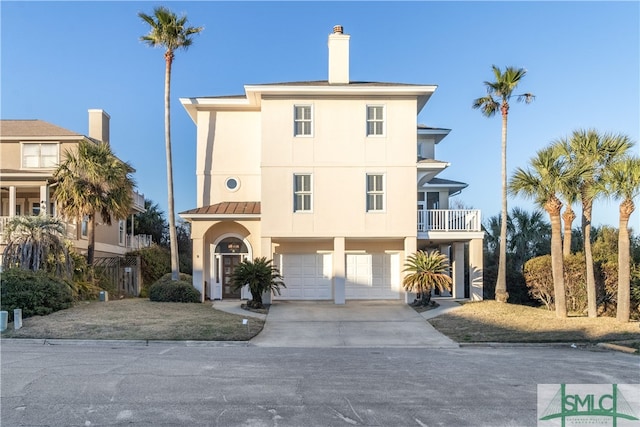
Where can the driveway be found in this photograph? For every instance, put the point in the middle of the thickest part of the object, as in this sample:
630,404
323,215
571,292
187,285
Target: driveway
354,324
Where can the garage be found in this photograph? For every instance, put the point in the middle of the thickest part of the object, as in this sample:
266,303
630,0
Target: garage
307,276
372,276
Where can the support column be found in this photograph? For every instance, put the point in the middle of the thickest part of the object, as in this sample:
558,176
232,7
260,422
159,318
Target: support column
458,270
133,234
339,270
198,266
44,199
12,200
266,251
475,270
410,247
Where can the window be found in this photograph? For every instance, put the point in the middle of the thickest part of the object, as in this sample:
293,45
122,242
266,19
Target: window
39,155
84,227
375,192
302,193
375,120
122,231
232,184
35,208
302,120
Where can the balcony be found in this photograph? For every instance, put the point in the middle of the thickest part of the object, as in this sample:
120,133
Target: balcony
449,220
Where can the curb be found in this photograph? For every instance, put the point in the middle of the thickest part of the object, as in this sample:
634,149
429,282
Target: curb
617,347
124,343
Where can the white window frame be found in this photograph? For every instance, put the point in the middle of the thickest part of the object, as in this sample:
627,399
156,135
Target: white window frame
376,120
40,164
376,193
304,133
122,232
84,227
302,194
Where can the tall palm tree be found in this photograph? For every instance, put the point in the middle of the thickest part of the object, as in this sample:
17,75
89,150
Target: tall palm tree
170,32
570,196
427,271
590,154
499,94
623,181
528,235
93,181
541,182
37,243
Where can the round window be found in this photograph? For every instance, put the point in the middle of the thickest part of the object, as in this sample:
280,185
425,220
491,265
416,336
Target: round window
232,184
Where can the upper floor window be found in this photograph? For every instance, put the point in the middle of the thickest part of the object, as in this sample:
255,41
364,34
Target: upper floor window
375,192
302,193
39,155
122,231
302,120
375,120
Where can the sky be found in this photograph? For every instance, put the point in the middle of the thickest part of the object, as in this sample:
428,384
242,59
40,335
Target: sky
60,59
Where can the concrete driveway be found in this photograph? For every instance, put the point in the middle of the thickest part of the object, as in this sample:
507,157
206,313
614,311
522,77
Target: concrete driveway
354,324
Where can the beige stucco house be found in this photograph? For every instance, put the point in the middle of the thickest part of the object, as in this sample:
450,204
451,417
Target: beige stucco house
333,180
30,150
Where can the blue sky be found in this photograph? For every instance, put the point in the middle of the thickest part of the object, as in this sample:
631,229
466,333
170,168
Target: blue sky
59,59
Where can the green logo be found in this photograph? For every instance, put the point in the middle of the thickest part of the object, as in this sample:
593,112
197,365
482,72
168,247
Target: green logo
587,404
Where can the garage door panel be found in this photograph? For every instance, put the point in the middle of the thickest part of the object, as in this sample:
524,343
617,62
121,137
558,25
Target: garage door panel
305,276
371,276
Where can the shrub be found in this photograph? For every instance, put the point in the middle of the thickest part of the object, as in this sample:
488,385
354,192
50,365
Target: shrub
166,290
155,261
34,292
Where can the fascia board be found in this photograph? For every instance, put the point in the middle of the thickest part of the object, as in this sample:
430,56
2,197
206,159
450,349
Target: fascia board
218,216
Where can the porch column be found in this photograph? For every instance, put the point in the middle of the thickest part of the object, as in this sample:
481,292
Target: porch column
458,270
339,270
12,200
410,247
132,234
265,251
446,251
198,266
44,199
475,270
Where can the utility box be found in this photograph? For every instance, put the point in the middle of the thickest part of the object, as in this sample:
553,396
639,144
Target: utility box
104,296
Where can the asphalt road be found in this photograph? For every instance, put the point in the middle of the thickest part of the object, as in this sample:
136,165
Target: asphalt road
177,385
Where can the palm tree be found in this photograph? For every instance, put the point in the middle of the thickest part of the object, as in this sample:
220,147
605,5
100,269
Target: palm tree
37,243
171,33
590,154
623,181
260,275
93,181
570,196
502,88
541,182
428,271
528,235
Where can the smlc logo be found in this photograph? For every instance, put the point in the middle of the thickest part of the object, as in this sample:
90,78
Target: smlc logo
588,404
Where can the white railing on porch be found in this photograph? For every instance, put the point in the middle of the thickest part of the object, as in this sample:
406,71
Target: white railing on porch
70,229
139,241
138,200
449,220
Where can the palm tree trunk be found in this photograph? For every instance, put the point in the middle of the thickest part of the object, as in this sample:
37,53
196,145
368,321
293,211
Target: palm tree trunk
557,262
592,304
501,285
568,216
173,238
624,264
91,239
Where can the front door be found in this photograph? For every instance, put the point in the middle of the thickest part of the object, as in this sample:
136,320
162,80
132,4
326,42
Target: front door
229,263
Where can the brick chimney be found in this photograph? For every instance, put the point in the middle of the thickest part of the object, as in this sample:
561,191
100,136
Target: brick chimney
338,56
99,125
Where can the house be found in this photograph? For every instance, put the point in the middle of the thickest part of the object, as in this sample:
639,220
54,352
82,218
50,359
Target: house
30,150
333,180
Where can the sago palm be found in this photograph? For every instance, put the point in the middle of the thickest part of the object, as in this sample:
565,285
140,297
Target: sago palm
426,271
170,32
260,275
590,154
499,94
541,182
623,182
92,181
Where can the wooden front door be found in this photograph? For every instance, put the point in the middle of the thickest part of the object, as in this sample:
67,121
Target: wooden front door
229,263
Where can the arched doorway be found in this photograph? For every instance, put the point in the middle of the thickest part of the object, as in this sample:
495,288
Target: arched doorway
229,251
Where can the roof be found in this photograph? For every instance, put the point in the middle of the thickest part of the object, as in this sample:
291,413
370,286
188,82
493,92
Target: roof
33,129
225,209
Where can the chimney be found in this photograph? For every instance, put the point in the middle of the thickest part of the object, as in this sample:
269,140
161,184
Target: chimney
338,56
99,125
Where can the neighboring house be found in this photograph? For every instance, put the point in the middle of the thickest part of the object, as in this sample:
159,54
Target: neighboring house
331,179
30,150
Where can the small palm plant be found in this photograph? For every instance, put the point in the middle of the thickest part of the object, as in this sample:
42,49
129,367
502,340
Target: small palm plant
261,276
428,271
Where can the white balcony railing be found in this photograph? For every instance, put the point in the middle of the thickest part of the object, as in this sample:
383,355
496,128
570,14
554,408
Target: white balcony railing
449,220
139,241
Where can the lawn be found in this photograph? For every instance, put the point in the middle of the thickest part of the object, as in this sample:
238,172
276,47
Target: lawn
489,321
138,319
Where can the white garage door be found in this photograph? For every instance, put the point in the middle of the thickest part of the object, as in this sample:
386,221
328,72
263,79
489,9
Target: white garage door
307,276
372,276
